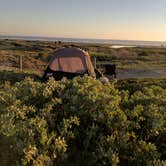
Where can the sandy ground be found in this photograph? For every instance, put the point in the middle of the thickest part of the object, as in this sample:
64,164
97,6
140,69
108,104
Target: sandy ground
142,73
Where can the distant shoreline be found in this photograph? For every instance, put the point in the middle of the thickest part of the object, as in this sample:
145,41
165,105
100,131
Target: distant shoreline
89,41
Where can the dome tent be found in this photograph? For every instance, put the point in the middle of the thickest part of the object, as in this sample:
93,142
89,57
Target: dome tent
69,62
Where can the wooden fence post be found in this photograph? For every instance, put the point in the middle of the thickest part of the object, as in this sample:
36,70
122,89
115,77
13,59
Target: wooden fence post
21,60
94,62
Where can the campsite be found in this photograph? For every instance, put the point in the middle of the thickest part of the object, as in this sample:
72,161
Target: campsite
139,62
82,83
82,121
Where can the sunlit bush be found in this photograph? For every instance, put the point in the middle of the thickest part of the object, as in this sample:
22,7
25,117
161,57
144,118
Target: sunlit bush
82,122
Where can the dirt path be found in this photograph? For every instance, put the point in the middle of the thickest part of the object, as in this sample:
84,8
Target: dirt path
142,73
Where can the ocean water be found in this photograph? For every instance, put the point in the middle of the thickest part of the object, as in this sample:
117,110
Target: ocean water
97,41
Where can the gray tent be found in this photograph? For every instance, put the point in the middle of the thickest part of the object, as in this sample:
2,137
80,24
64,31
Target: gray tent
73,61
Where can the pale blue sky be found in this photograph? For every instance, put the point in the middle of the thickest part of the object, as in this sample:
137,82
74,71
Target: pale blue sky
111,19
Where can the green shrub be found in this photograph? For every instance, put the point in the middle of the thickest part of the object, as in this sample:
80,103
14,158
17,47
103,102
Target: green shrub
81,122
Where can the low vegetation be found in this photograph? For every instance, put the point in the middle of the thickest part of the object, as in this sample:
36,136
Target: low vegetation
37,53
83,122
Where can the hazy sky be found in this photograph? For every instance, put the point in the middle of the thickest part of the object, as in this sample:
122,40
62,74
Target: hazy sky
111,19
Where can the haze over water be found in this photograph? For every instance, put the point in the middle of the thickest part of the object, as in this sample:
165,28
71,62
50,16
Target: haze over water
99,41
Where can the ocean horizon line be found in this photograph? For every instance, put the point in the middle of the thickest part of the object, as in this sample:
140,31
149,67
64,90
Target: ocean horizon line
86,40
